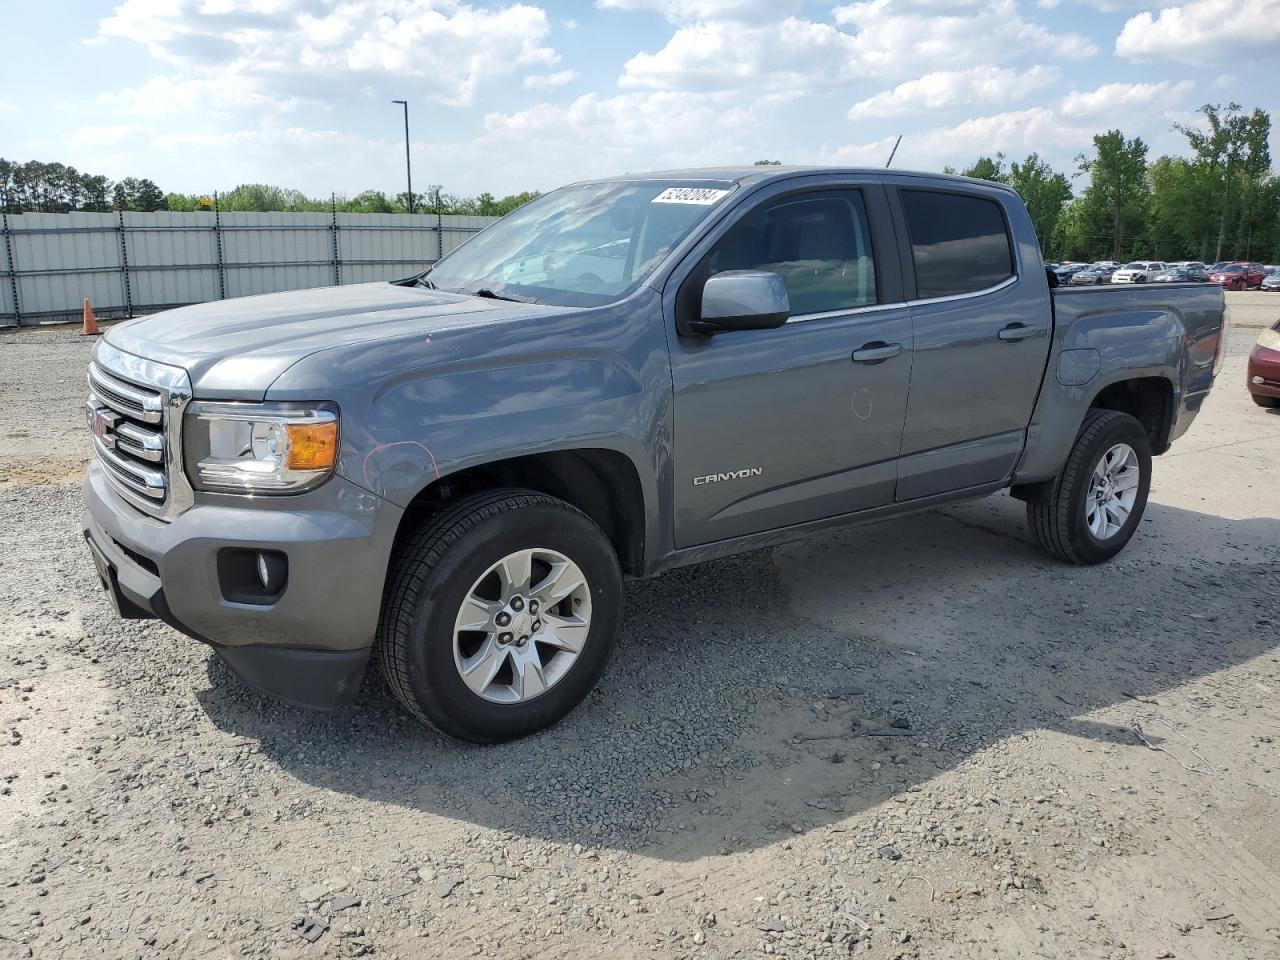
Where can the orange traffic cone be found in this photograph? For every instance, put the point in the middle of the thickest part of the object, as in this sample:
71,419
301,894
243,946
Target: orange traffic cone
90,322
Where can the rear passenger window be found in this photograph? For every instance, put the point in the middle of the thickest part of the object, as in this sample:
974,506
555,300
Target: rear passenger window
818,243
959,242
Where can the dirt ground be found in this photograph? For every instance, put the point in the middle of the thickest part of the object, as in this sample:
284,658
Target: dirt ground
916,739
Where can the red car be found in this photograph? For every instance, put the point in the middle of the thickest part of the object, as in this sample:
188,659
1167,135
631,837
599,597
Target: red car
1264,368
1239,275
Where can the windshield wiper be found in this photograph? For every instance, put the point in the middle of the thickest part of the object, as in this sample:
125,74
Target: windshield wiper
490,295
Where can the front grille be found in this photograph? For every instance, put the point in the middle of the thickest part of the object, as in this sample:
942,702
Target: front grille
128,432
135,413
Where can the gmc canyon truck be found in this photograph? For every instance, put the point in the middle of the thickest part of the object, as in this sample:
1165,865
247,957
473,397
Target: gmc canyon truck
458,470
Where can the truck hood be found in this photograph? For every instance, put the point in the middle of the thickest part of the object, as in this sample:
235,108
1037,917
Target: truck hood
235,349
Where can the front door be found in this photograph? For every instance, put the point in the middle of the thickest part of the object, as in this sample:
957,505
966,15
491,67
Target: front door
779,427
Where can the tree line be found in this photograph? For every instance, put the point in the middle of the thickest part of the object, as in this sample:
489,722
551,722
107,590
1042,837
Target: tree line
264,197
1220,203
35,187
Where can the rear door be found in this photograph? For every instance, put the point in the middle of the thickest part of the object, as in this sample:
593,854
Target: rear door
981,327
779,427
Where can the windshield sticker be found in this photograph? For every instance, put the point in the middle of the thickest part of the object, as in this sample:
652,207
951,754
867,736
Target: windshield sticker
703,196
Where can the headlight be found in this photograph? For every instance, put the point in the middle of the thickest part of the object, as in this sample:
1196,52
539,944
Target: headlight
1270,339
259,447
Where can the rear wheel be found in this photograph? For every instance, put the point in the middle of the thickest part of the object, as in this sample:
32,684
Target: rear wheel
500,614
1092,508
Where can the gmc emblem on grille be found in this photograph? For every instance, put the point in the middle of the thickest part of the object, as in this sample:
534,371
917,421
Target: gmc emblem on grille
102,424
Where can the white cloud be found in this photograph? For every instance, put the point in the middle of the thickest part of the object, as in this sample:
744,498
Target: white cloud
300,48
1014,132
905,39
549,81
1203,31
629,131
1116,100
165,96
690,11
876,39
785,59
8,109
943,89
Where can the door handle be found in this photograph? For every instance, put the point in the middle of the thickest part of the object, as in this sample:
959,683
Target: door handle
1017,331
877,351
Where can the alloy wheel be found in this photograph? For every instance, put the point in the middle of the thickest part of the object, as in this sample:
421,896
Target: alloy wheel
522,626
1113,488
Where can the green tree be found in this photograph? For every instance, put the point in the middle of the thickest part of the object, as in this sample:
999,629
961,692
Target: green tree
1043,190
370,201
987,168
1118,191
97,194
1232,166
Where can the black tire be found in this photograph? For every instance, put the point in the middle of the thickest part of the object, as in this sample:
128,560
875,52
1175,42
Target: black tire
433,571
1265,401
1057,519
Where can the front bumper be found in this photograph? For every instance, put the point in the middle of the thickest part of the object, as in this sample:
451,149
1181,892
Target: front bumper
310,645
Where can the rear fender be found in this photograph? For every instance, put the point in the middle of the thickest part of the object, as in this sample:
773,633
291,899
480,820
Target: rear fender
1104,336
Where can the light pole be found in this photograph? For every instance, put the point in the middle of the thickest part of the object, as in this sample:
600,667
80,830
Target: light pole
408,167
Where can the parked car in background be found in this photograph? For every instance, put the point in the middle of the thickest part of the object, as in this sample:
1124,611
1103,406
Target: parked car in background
1066,271
1190,263
1091,276
1189,274
1231,276
1263,378
1140,271
1272,280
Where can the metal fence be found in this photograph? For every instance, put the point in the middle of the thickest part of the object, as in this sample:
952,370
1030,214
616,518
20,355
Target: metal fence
134,263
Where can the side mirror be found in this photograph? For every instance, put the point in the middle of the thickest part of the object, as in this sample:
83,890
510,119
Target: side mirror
742,300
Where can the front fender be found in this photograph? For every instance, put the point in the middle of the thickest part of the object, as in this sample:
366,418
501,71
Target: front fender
415,410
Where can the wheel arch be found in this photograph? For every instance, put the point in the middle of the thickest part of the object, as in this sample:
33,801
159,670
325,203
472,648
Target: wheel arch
1150,400
603,483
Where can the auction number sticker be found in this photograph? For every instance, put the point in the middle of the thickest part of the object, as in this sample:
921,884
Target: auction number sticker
703,196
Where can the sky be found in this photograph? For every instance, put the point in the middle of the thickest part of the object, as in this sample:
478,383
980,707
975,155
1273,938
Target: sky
201,95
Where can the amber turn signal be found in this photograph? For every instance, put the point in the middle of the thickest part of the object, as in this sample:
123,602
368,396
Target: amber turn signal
312,446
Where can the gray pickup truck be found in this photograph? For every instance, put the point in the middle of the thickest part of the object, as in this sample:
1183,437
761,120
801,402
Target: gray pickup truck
459,469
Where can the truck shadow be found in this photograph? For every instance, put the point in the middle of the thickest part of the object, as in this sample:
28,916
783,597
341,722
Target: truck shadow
738,706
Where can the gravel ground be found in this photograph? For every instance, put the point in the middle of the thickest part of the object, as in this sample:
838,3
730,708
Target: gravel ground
915,739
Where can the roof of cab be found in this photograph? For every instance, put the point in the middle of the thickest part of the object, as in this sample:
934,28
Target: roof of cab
755,174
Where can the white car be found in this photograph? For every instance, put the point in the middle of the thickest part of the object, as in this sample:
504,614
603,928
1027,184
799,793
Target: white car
1140,271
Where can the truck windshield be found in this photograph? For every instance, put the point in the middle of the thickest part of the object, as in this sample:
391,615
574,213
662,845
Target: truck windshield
580,246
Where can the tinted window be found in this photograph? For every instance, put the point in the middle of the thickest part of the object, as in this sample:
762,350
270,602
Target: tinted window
818,243
958,243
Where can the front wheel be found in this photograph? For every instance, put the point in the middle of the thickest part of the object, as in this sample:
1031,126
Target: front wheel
1092,508
1265,401
500,613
